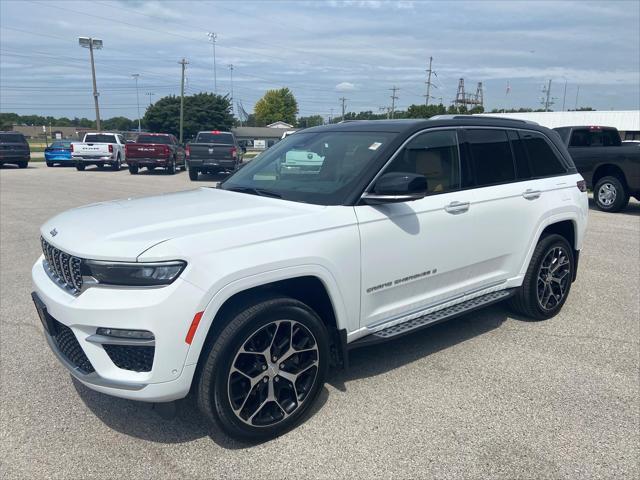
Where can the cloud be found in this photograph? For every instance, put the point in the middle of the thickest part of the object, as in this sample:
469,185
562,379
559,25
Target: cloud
345,87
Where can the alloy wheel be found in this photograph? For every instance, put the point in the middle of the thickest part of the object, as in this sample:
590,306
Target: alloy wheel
553,278
607,194
272,373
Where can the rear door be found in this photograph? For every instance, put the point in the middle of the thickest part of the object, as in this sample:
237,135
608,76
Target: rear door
508,203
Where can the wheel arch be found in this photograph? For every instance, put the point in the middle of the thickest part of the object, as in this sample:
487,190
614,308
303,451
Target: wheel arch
606,170
316,289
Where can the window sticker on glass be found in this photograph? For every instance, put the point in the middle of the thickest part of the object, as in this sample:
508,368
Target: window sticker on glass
374,145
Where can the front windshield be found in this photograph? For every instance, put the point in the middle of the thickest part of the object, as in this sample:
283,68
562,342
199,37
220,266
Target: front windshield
319,168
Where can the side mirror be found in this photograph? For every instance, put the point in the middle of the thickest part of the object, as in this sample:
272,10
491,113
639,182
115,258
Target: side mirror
396,187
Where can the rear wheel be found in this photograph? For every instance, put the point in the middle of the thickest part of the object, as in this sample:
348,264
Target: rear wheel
117,165
265,369
610,194
193,173
50,164
100,165
133,169
80,167
23,164
171,168
548,279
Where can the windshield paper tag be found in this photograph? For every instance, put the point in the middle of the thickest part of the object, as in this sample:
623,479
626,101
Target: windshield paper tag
374,145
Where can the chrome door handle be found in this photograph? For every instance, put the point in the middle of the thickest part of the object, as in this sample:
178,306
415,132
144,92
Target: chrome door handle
530,194
457,207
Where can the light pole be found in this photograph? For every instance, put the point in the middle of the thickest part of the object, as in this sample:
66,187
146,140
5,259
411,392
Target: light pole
136,76
231,73
91,44
212,38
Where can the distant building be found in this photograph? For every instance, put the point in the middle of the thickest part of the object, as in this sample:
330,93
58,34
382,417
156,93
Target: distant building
259,138
280,124
53,132
626,121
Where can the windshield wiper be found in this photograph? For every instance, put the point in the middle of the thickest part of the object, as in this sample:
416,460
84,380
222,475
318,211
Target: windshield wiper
255,191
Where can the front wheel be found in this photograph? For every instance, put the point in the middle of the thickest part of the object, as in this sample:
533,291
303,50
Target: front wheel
265,369
610,194
548,279
193,173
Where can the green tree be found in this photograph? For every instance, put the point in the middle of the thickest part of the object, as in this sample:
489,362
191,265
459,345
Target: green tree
202,111
123,124
311,121
276,105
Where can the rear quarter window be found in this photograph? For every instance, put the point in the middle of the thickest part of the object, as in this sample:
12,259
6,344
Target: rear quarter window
542,159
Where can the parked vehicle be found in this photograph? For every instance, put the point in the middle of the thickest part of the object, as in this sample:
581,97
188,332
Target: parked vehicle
99,149
247,293
153,150
213,152
610,168
14,149
58,152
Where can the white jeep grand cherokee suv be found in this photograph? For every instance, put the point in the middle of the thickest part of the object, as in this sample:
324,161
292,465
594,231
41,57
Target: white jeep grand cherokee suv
247,293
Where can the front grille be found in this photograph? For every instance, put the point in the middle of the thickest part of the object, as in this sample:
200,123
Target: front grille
70,348
65,268
131,357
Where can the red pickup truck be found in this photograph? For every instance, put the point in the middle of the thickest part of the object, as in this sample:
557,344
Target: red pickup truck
153,150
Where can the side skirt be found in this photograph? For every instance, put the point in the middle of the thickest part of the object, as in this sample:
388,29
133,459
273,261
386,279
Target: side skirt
432,318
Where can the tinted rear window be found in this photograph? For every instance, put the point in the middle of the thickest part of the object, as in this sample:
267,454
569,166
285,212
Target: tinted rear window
12,138
492,159
99,138
61,145
161,139
208,137
596,137
543,161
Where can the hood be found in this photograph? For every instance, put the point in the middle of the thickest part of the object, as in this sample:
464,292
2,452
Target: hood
121,230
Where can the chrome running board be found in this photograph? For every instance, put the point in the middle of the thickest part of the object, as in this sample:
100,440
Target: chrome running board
432,318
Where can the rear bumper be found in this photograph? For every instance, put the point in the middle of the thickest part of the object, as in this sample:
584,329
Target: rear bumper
57,158
93,159
144,162
212,163
14,158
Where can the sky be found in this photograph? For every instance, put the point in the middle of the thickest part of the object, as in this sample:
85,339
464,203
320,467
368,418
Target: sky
321,50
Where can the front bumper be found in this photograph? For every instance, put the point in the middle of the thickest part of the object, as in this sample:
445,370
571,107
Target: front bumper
166,312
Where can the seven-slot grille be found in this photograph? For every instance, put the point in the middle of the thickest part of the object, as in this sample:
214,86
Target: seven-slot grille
65,268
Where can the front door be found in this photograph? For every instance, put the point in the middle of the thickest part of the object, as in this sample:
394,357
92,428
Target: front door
420,253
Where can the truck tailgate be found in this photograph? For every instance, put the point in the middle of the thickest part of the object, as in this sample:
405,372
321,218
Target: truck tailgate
147,150
90,149
212,150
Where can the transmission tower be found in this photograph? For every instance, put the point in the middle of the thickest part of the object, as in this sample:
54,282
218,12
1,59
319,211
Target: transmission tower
394,89
428,82
468,100
546,100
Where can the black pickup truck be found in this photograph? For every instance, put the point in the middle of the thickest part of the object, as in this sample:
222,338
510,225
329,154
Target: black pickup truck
611,168
213,152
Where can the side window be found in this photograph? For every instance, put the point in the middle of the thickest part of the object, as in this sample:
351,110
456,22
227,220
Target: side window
491,156
543,160
434,155
523,168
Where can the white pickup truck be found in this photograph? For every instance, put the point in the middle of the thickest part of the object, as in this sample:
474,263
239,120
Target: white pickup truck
99,149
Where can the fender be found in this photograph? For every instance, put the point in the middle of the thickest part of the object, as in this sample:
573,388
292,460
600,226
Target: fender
245,283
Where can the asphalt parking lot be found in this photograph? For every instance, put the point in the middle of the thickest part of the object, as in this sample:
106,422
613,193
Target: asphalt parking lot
486,395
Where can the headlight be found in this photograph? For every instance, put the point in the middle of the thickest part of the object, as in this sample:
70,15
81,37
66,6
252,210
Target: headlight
133,274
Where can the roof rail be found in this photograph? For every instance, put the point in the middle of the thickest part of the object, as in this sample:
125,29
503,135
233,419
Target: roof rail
479,117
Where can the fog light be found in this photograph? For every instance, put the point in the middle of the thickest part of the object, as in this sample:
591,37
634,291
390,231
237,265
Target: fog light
121,333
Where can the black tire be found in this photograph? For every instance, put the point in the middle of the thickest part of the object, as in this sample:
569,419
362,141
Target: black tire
100,165
133,169
23,164
527,300
118,165
193,174
50,164
217,382
171,168
610,194
80,167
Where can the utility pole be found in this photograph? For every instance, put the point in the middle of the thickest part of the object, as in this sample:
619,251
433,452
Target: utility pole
343,100
428,82
184,63
212,38
330,115
91,43
394,89
548,92
564,96
136,76
577,93
231,73
150,94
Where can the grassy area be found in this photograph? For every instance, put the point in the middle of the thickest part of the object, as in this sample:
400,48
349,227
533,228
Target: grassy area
37,145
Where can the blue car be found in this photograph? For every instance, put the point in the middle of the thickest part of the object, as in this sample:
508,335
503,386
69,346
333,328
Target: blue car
58,152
